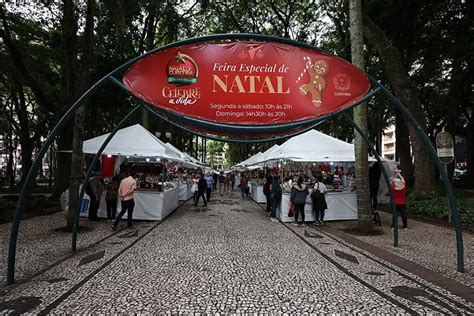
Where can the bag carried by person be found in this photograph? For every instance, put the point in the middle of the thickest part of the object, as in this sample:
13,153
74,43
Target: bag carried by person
316,194
292,210
194,187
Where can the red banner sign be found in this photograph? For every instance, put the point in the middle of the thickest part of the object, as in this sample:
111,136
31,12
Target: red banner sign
245,82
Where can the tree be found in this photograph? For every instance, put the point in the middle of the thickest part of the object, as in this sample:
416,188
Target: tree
83,79
360,118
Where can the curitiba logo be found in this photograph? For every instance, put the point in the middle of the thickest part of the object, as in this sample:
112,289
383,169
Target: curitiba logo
182,70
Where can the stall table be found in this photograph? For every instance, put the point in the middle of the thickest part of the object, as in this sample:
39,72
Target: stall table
184,190
341,206
149,204
257,193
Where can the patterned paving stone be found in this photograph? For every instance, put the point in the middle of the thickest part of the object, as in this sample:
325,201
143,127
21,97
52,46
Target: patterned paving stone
375,273
130,234
231,263
312,235
19,305
57,280
348,257
91,258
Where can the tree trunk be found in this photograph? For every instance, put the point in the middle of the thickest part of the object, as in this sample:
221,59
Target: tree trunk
77,175
26,142
470,151
10,171
69,30
424,171
360,118
403,149
63,162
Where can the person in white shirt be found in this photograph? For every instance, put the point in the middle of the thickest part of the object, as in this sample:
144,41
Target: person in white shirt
319,200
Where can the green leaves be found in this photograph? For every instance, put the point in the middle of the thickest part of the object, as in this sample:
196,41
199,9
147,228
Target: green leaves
437,206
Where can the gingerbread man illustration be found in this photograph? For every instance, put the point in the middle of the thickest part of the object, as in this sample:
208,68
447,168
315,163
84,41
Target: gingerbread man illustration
317,83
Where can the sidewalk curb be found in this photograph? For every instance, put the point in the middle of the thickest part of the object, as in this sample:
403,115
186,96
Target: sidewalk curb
435,278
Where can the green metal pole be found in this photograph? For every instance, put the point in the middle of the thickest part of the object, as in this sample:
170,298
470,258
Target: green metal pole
89,173
386,176
32,173
447,185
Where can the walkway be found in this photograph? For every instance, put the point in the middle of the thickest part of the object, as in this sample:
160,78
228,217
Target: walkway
226,258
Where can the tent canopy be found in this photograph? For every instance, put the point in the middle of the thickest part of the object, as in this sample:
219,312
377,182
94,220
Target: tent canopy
134,140
311,146
314,146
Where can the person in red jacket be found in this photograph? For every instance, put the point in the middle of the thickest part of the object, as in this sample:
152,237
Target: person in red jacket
399,189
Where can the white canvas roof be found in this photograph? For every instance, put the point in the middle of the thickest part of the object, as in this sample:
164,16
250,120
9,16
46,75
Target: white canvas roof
185,157
312,146
249,161
134,140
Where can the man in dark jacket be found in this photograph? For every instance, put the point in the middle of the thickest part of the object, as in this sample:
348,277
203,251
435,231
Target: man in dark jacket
298,197
202,187
374,177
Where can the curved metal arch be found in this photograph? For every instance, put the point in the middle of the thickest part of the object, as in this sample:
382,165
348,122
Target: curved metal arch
34,170
444,176
218,37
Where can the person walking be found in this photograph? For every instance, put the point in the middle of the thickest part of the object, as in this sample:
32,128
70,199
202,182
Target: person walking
194,187
276,197
215,177
126,190
221,183
232,178
298,197
242,185
374,178
202,186
210,185
111,197
96,189
228,183
318,197
267,191
399,189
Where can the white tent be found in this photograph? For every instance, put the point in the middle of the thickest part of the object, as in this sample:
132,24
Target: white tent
251,160
131,141
185,157
313,146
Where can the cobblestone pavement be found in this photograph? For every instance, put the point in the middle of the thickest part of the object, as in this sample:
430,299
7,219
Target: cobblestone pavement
226,258
432,246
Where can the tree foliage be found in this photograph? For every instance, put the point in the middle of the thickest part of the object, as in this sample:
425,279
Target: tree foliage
41,56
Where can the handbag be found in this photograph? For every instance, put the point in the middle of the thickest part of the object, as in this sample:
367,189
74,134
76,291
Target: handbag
292,210
316,194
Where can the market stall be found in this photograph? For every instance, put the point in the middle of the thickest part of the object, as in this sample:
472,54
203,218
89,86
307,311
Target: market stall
256,190
184,188
341,206
135,148
310,155
149,204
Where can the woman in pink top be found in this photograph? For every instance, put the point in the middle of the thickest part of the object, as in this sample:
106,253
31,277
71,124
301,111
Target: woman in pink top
399,189
126,188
